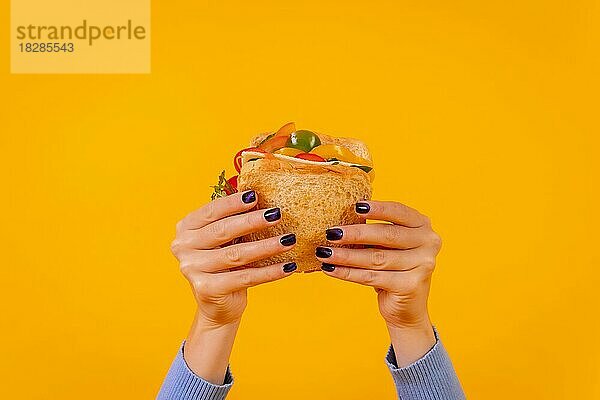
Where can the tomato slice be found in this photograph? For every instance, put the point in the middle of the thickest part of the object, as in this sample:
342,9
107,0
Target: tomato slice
233,181
310,157
237,160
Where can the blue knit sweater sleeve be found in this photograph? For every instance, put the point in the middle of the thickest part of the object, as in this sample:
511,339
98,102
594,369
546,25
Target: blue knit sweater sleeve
430,378
182,384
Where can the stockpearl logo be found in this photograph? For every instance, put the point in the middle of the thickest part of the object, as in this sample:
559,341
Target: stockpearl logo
66,36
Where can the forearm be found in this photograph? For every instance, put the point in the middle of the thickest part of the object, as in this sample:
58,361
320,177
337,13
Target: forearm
208,348
200,369
411,343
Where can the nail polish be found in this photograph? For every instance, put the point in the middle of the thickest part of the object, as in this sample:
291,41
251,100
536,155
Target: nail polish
334,234
327,267
288,240
323,252
289,267
272,214
362,208
249,197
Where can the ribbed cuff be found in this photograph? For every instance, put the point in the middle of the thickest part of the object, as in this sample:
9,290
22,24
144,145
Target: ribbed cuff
182,383
432,377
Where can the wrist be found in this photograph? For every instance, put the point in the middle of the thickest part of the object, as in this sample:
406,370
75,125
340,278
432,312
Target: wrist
415,324
207,324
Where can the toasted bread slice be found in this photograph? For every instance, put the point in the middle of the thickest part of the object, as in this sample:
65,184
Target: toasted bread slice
312,197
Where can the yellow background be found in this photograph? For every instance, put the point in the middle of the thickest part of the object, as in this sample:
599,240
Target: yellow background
482,115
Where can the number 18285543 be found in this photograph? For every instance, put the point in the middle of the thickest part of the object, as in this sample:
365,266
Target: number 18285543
35,47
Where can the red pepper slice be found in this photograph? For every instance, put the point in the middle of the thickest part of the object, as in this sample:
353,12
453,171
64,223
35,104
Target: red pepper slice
233,181
237,160
286,130
275,143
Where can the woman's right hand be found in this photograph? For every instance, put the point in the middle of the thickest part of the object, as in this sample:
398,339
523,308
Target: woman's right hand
218,273
207,257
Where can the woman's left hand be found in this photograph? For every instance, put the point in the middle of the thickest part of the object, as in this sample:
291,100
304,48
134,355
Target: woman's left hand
398,264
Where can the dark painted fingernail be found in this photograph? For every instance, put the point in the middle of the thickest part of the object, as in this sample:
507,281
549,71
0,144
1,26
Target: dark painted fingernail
327,267
362,208
249,197
288,240
334,234
272,214
323,252
289,267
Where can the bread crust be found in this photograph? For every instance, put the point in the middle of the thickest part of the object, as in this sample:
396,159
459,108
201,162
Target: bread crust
312,198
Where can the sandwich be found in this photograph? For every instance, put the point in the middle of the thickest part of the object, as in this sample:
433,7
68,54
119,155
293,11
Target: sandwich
315,179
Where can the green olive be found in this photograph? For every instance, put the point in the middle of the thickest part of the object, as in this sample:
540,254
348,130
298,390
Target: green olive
303,140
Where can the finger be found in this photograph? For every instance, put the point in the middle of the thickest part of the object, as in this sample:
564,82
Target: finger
386,235
376,279
245,253
391,211
376,259
228,282
229,228
238,255
217,209
394,281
